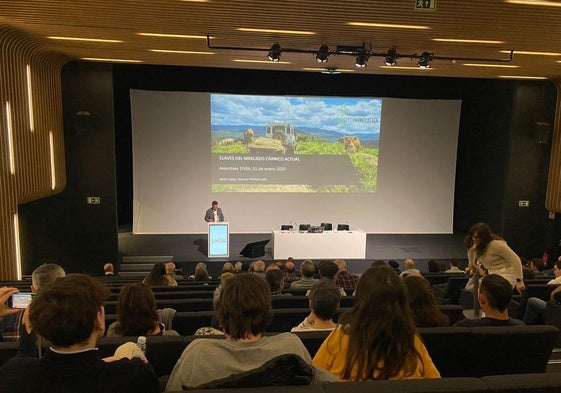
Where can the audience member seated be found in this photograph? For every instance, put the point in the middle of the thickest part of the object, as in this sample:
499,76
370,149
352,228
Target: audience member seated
158,277
345,279
228,267
290,271
409,268
108,269
170,271
378,262
201,268
557,272
137,315
536,307
328,271
324,301
5,311
243,311
454,263
275,279
70,315
201,275
537,266
423,303
259,268
495,293
41,278
377,339
307,269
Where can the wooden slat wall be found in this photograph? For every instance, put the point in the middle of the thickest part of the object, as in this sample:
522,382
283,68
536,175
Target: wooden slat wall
32,177
553,194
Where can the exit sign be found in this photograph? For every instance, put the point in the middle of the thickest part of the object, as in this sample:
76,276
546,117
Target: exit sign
425,4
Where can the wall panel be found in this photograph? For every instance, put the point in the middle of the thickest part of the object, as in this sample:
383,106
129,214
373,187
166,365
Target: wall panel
31,179
553,195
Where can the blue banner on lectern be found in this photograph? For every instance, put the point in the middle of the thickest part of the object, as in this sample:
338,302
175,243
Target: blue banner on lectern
218,239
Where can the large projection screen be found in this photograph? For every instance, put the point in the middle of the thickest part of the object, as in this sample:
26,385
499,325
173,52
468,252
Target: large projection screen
401,173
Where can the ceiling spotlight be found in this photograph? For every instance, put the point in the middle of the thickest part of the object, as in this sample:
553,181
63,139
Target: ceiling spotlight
275,52
322,54
361,59
424,60
391,57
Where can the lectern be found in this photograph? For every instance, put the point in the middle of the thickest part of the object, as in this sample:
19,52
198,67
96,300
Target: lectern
218,239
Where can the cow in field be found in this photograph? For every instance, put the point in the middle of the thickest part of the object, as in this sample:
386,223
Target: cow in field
351,143
226,142
248,136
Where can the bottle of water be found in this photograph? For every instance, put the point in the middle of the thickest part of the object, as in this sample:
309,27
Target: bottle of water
141,343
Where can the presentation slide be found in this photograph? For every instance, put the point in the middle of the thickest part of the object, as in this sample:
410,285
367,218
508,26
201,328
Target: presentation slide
276,143
379,164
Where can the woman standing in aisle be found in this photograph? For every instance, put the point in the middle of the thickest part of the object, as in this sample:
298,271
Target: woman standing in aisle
484,247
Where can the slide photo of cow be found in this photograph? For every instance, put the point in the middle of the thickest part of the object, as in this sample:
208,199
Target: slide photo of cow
343,132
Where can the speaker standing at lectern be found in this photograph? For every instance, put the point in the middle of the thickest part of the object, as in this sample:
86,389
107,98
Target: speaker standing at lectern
214,214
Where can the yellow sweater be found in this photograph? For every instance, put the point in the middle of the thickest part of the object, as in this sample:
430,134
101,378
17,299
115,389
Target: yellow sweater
332,353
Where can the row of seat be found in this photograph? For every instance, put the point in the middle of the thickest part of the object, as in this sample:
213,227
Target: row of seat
284,319
456,351
518,383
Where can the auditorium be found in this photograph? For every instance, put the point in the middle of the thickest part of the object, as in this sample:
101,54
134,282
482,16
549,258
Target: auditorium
356,131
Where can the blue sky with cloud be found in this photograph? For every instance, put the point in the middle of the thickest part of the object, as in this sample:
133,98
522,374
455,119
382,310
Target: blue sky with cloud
342,114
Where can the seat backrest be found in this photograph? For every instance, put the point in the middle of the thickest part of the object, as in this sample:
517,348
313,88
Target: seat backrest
496,350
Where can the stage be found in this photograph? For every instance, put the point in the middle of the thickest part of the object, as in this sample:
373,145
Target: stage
189,249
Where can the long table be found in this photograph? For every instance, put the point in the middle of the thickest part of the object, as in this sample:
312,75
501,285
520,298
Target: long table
326,245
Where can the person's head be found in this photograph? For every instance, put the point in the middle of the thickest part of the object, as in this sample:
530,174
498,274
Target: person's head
237,267
70,311
379,262
495,292
245,267
275,279
341,264
480,235
380,328
482,271
45,275
307,268
170,268
324,299
423,303
557,268
536,264
290,267
409,264
157,275
244,306
201,274
226,276
136,310
259,266
328,269
200,265
454,262
272,266
108,268
228,267
214,205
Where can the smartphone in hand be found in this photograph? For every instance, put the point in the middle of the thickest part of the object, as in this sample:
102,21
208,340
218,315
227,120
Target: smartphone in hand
20,300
